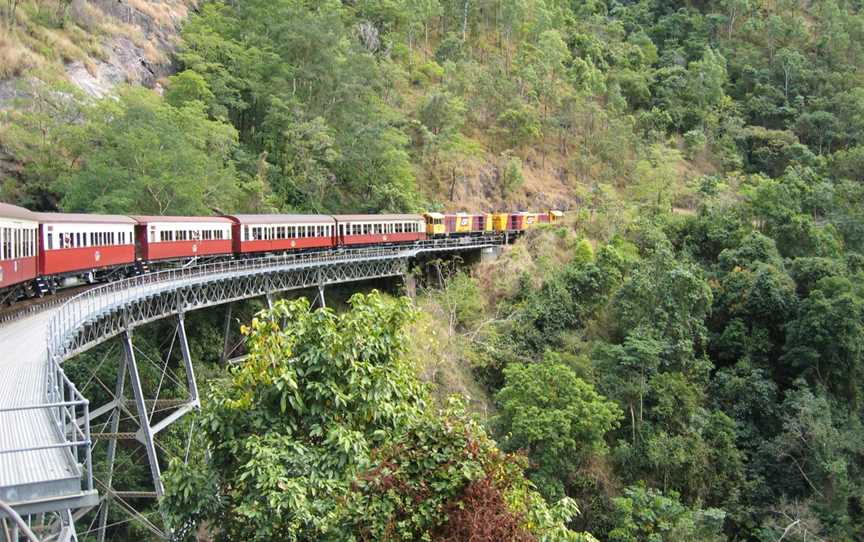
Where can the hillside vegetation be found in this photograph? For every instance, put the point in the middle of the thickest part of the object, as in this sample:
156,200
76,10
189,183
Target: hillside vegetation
683,360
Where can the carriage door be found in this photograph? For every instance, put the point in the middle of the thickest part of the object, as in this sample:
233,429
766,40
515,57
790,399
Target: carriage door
450,223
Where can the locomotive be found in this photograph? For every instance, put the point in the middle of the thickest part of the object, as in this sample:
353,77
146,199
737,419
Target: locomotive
42,252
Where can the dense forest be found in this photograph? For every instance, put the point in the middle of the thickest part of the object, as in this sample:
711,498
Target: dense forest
682,360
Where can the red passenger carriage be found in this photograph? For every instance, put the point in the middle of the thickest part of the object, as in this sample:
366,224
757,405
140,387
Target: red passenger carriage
18,247
375,229
79,244
177,237
277,233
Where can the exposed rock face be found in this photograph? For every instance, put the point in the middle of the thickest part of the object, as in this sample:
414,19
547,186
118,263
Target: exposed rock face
140,51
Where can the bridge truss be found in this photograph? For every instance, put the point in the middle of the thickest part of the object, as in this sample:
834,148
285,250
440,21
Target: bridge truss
115,310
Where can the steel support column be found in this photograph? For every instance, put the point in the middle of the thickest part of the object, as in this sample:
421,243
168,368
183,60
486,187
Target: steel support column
187,360
112,447
226,336
143,416
321,301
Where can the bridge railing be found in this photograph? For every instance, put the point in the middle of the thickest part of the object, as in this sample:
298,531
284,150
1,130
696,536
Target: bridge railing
77,310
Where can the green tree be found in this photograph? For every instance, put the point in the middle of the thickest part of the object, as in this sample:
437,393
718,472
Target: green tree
826,339
187,86
559,419
647,515
324,434
138,154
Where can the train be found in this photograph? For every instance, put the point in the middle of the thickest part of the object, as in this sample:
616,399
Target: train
43,252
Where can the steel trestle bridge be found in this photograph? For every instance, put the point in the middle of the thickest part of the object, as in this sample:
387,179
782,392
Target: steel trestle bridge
46,466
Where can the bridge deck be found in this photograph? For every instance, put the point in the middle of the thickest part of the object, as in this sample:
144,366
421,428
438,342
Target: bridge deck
28,475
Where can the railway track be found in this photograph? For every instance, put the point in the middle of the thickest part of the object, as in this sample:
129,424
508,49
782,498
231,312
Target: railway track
39,304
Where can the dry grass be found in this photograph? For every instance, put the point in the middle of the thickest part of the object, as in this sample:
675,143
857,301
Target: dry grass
536,255
39,44
163,12
443,359
15,58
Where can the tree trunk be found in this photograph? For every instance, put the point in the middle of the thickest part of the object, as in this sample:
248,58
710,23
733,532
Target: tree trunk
465,20
452,182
